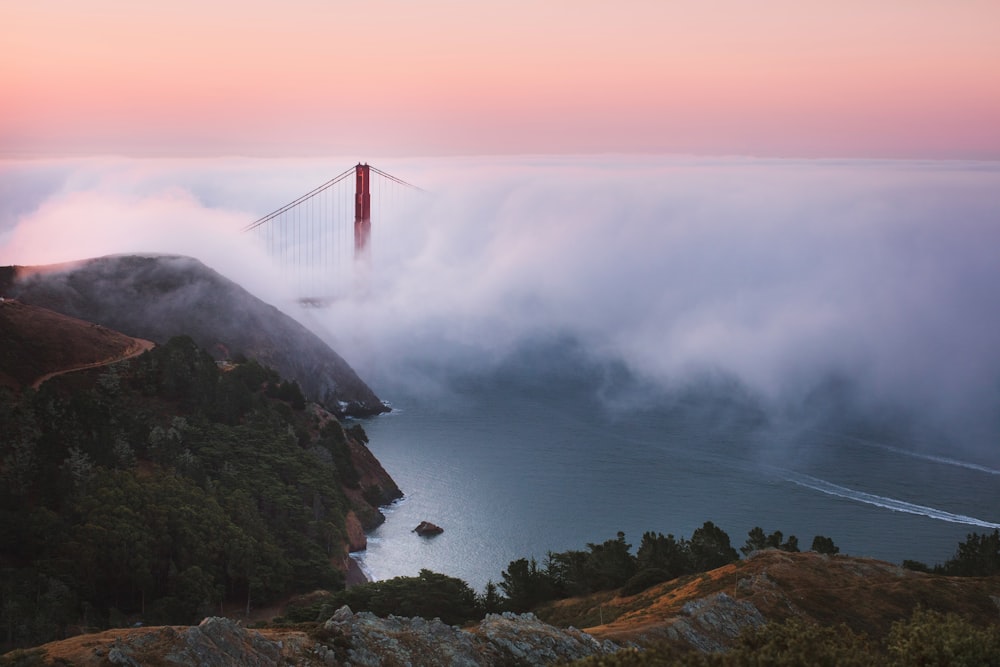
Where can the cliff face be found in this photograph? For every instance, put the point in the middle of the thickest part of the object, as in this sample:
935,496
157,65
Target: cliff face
159,297
374,487
347,638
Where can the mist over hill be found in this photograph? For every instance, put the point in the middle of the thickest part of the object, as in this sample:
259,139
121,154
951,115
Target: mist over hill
158,297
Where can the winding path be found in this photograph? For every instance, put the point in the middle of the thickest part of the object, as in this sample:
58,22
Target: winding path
137,347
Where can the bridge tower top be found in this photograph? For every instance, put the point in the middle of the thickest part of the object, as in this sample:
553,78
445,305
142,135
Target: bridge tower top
362,212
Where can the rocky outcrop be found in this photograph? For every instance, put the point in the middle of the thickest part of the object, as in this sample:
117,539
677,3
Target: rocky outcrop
356,538
375,484
428,529
714,622
365,639
158,297
709,610
347,638
215,642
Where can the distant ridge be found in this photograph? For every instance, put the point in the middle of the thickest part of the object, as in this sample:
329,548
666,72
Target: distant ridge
158,297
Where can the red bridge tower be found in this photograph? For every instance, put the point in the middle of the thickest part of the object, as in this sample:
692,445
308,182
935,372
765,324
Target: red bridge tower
362,212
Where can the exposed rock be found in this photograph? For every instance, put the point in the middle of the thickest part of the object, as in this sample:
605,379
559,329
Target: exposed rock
712,623
220,642
361,639
428,529
707,611
215,642
356,539
524,638
365,639
374,483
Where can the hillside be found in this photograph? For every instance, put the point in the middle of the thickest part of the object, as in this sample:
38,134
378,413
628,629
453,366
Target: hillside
346,638
158,297
163,487
36,343
707,611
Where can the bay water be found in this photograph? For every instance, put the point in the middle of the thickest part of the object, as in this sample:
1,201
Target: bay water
550,453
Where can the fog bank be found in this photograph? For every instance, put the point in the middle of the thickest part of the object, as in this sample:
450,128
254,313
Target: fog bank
879,275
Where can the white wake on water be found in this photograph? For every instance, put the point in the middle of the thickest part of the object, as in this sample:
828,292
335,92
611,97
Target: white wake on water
917,455
882,501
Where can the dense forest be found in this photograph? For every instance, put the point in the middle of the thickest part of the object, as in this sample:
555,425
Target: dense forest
163,488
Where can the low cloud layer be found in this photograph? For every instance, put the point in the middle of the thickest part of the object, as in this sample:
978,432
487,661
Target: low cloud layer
781,273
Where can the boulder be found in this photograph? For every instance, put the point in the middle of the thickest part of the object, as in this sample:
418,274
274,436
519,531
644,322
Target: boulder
428,529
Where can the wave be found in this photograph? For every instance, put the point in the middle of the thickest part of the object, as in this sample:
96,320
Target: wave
393,506
917,455
882,501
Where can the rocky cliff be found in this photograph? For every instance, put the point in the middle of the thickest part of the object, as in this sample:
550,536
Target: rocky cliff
159,297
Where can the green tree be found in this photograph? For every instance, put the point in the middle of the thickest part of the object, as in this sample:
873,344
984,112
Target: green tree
756,541
610,564
568,571
428,595
667,554
525,585
710,548
491,601
824,545
977,556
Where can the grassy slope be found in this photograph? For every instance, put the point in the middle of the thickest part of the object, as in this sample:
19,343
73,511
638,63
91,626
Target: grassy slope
867,595
35,342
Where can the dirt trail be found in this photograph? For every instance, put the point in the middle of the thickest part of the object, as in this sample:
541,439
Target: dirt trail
137,347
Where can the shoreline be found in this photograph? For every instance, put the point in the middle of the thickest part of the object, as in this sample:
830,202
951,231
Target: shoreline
355,574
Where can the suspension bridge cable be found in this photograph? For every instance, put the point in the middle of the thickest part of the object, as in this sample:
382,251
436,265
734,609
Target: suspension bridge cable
397,180
309,195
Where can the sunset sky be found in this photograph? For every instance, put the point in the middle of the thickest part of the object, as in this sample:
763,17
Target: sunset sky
784,78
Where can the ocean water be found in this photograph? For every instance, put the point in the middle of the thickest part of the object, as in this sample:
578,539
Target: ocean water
550,454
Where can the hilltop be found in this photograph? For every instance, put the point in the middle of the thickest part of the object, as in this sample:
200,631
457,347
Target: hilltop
159,297
707,611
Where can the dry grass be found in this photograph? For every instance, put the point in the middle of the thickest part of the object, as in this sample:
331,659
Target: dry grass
865,594
37,344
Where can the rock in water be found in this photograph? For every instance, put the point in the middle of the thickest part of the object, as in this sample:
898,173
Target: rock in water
158,297
428,529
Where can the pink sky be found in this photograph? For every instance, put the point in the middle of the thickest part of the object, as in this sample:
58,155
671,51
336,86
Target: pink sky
791,78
